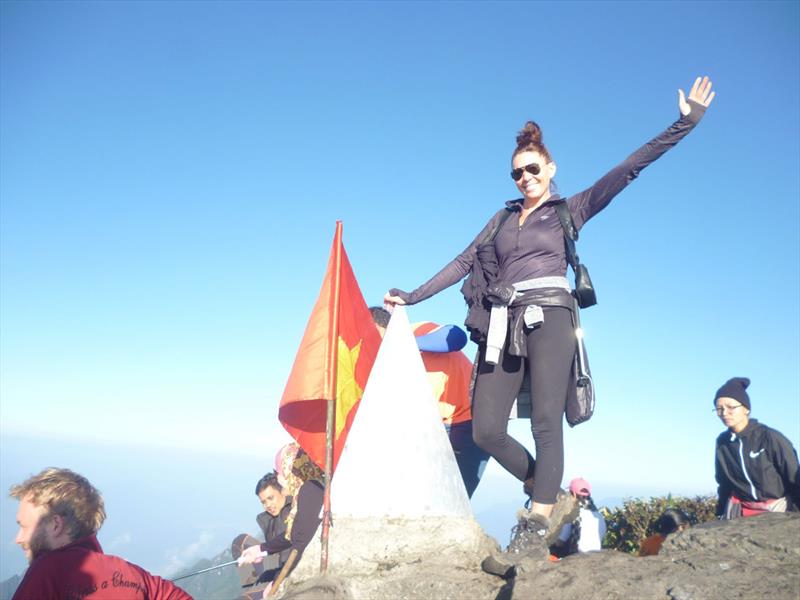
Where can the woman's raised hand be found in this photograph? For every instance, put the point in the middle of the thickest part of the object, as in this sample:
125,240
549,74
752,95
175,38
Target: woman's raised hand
701,93
389,301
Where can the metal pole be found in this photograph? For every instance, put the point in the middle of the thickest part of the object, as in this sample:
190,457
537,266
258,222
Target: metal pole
227,564
330,422
326,499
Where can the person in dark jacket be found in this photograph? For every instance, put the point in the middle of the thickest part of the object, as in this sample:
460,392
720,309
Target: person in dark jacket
272,522
533,328
301,479
277,506
756,467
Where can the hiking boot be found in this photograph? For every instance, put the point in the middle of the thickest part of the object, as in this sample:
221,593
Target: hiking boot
565,510
529,541
498,565
529,536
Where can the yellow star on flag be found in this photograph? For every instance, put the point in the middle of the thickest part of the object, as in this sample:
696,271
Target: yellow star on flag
348,392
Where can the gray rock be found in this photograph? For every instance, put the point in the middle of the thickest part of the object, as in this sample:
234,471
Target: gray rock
324,587
757,557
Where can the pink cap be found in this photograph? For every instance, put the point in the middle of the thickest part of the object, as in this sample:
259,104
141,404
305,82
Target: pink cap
580,487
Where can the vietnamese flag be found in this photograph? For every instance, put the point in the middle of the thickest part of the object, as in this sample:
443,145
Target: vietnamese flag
333,361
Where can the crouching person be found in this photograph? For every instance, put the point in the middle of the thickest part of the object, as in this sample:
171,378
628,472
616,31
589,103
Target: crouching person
303,481
272,522
59,515
586,532
671,521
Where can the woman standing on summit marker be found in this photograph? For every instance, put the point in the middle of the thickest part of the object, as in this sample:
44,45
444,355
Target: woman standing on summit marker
531,257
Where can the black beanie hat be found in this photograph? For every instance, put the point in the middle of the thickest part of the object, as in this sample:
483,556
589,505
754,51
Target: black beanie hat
735,388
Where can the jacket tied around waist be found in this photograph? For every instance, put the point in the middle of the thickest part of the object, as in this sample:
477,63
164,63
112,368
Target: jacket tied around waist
524,301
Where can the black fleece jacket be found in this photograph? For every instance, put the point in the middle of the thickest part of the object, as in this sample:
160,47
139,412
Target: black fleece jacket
756,464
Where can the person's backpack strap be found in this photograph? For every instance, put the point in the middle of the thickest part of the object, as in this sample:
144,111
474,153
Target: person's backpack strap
504,214
584,290
570,232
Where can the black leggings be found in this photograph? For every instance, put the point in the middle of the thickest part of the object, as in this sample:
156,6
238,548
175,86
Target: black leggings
551,349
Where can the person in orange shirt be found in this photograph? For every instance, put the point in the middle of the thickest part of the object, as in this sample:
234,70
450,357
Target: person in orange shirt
671,521
449,373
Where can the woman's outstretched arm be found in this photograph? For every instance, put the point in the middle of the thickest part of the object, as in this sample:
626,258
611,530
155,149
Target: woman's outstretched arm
453,272
591,201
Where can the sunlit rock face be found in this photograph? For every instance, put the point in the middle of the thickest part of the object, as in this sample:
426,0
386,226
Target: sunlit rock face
757,557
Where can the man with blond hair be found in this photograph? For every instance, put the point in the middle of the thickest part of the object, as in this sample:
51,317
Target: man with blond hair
59,515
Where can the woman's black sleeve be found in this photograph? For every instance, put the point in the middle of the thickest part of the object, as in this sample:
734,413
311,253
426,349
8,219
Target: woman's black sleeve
723,488
451,273
586,204
308,516
276,544
784,458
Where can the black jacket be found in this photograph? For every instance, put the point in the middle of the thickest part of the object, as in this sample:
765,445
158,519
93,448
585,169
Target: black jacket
757,464
306,520
275,527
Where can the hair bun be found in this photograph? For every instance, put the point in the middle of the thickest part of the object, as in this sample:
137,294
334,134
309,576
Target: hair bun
530,134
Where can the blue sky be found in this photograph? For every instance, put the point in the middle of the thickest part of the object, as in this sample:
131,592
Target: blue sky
171,174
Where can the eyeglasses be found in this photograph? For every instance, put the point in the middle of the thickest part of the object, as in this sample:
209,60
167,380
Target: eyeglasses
533,169
723,409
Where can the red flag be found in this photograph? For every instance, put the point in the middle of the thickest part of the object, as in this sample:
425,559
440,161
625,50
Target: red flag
333,361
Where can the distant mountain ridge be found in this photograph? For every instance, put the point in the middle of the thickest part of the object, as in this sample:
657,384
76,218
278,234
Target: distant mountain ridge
9,586
219,584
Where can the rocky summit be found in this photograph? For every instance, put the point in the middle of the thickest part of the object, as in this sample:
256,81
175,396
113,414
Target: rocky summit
756,557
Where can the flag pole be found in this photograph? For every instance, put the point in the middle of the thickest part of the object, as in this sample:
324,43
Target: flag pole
330,375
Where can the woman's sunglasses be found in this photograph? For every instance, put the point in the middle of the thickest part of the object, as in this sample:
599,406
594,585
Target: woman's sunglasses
533,169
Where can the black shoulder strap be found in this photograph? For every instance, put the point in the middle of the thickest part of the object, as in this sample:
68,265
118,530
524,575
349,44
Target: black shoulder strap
505,213
570,232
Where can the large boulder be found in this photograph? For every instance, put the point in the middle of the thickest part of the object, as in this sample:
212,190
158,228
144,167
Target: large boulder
429,557
757,557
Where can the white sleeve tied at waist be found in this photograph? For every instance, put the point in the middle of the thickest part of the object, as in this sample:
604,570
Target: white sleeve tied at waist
498,317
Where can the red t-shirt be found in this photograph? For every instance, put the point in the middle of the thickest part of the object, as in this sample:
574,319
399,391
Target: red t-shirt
449,374
81,570
652,545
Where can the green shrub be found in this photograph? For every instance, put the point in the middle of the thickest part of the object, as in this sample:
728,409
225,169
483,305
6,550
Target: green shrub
635,520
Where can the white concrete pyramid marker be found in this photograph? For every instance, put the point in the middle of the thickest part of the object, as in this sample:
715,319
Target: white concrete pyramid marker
397,461
397,497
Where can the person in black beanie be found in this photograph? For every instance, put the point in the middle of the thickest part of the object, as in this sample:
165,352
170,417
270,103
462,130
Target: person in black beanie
756,467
